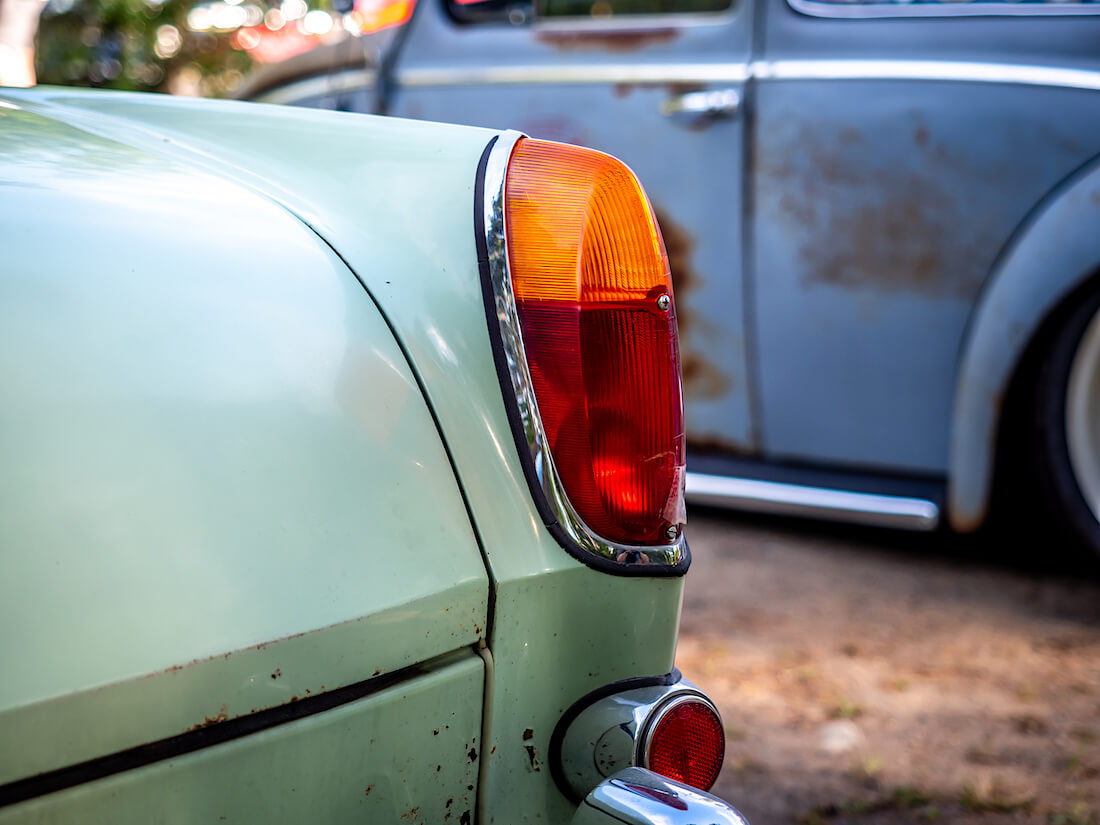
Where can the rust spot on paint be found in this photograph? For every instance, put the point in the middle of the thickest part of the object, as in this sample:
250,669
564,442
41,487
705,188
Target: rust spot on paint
674,89
532,758
410,813
679,245
276,674
702,379
528,735
464,819
472,755
368,789
221,716
712,444
611,41
882,221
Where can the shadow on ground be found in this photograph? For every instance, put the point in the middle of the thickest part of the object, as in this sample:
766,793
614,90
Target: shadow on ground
874,677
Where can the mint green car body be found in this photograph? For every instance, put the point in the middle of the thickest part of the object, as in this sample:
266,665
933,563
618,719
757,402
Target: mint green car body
253,450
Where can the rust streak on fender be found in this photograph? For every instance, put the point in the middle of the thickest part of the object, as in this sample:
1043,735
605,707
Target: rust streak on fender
702,377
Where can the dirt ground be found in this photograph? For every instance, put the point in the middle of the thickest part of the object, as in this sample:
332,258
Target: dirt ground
875,677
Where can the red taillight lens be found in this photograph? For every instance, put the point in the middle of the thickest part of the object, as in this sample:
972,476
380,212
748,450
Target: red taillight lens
591,282
687,744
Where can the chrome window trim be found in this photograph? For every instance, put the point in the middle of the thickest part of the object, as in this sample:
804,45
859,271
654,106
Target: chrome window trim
943,8
639,558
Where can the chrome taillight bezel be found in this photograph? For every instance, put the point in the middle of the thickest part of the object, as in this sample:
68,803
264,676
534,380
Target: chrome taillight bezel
551,500
611,728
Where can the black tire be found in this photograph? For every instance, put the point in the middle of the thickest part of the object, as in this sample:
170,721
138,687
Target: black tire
1059,488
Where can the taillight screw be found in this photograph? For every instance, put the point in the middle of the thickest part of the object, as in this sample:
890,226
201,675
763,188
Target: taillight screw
664,302
672,532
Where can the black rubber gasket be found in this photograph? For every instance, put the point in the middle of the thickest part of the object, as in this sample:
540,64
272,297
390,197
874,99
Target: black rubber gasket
515,422
205,737
575,710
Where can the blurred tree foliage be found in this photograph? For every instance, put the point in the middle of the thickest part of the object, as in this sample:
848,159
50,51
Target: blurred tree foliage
143,45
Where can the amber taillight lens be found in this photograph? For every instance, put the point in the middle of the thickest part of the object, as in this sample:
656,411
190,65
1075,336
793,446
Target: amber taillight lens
591,282
688,744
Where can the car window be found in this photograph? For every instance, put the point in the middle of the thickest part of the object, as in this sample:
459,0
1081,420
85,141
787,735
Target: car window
519,11
608,8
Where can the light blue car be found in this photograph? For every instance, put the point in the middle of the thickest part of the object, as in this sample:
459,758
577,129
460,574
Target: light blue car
881,218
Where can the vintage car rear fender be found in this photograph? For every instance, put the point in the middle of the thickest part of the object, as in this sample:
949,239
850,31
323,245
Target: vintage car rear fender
1054,251
221,489
360,762
396,199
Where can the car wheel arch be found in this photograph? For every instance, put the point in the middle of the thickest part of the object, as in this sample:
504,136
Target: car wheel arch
1050,257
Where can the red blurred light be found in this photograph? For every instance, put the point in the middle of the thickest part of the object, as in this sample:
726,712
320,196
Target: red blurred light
688,744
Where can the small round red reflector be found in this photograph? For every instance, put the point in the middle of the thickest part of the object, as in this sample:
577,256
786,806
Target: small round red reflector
687,744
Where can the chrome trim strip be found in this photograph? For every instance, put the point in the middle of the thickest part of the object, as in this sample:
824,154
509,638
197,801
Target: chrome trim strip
813,502
522,386
944,8
635,796
325,84
960,71
765,70
947,70
567,73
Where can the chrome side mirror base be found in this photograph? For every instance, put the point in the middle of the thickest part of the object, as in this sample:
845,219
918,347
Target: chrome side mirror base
635,796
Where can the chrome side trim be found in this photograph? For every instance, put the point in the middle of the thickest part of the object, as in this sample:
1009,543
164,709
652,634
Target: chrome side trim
635,796
944,8
960,71
345,81
947,70
569,73
813,502
585,541
702,73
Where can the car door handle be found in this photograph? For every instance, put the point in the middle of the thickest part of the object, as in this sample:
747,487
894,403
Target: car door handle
716,103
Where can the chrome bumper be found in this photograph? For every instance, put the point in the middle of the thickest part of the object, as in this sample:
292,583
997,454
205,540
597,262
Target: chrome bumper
635,796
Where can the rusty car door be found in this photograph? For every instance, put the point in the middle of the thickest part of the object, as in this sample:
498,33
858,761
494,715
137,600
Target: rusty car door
664,92
898,149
